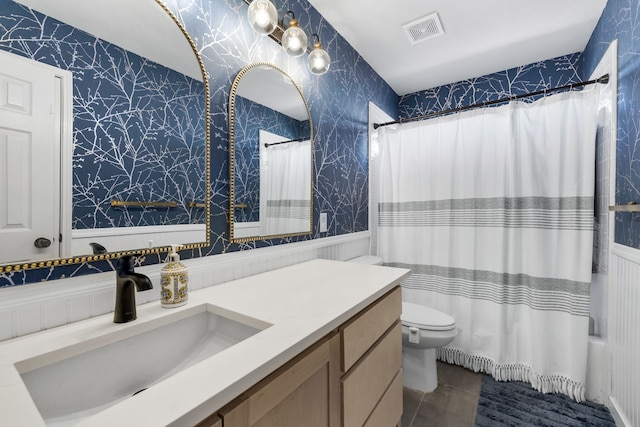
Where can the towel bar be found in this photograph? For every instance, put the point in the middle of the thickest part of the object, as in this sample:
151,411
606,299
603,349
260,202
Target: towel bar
121,203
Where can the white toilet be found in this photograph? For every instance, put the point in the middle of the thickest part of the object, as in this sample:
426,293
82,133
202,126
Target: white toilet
424,329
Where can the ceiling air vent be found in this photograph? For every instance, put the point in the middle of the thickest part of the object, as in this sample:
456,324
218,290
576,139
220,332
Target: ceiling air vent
424,28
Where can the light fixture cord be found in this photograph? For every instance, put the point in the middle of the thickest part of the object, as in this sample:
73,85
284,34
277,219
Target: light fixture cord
290,14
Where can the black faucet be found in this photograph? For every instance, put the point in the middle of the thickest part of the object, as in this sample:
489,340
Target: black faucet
126,279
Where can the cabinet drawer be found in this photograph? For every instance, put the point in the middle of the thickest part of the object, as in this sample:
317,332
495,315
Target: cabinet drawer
389,410
366,383
363,331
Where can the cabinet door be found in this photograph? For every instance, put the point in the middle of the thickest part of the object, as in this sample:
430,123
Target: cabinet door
305,392
366,383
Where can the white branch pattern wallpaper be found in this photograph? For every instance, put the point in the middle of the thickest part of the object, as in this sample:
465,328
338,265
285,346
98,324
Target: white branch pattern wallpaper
338,102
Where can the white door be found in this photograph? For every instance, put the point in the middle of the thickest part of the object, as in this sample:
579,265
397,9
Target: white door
29,160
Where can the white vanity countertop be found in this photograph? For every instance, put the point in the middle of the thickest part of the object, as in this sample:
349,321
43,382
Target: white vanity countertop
302,302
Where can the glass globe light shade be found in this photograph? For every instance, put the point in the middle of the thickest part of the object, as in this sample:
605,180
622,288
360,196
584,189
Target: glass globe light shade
263,16
318,60
294,40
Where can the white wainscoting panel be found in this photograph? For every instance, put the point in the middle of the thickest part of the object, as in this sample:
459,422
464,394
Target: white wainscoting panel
118,239
624,339
35,307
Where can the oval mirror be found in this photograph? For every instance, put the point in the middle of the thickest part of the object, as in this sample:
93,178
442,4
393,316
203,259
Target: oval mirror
271,156
123,164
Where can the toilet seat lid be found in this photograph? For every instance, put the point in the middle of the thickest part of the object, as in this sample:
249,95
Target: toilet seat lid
423,317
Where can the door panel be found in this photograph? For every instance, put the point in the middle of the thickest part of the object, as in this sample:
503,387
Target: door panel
29,159
17,147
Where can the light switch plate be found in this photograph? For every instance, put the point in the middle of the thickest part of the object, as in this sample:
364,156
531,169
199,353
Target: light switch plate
323,222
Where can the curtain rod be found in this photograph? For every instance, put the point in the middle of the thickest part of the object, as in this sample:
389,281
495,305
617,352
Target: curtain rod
267,144
604,79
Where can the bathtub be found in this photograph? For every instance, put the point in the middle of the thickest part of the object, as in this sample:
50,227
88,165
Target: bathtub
597,389
597,366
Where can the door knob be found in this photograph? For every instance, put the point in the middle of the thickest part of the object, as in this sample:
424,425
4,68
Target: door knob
42,242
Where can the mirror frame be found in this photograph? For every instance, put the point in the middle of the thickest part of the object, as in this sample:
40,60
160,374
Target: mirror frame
232,102
30,265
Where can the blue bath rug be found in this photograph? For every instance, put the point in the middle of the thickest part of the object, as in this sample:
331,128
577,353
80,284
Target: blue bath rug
516,404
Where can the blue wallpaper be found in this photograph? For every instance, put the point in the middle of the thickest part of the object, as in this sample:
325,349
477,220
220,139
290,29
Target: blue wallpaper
250,118
516,81
338,102
148,150
621,20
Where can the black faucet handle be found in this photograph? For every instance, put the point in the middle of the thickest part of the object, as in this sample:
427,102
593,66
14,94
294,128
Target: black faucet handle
126,263
98,248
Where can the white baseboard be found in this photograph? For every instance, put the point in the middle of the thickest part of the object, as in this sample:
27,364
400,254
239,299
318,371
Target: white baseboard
617,414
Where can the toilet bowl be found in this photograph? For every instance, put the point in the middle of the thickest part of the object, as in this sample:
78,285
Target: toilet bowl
424,329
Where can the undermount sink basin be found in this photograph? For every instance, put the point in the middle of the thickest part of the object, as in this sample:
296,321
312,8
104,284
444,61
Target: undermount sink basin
89,377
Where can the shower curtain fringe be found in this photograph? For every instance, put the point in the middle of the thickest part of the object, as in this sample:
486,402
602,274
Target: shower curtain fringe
513,372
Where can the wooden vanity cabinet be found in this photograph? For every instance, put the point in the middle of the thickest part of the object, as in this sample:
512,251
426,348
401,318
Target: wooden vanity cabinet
372,365
352,377
211,421
304,392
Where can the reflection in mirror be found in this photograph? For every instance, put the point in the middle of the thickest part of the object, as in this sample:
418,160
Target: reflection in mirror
271,149
285,184
133,125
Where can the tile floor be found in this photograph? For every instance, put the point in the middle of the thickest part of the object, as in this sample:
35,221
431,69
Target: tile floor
452,404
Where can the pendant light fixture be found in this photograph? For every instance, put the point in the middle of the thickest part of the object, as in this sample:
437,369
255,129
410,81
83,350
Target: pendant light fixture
294,40
263,16
318,60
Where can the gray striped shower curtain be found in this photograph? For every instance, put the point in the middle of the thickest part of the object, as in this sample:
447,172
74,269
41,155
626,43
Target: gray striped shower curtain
492,210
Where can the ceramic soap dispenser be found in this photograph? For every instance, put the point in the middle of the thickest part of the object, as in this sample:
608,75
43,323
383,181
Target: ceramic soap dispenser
174,279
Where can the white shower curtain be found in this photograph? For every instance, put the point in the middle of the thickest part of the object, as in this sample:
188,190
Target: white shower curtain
285,187
492,209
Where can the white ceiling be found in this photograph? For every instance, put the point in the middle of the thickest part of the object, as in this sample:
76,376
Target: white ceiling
141,27
481,37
